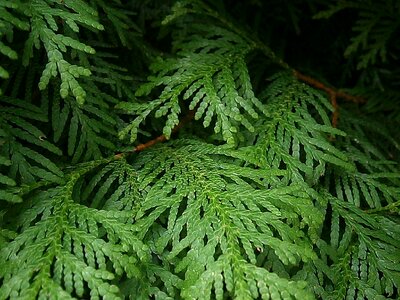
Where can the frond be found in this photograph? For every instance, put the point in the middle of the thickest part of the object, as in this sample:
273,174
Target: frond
212,220
366,260
86,126
99,190
376,181
210,73
66,249
295,133
110,77
91,128
9,21
116,187
17,131
44,27
118,21
375,27
7,193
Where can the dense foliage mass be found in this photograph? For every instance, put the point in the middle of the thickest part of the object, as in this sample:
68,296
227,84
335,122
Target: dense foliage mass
199,149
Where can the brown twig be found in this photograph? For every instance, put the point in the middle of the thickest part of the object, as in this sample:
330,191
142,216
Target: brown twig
159,139
333,93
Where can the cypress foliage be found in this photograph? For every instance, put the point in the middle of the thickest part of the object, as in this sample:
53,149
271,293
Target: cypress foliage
199,149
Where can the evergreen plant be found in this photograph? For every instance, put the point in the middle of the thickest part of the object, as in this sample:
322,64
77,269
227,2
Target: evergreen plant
199,149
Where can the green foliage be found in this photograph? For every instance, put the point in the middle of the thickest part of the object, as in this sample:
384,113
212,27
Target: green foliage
214,226
66,246
21,142
9,20
375,28
271,202
365,257
211,74
294,137
46,19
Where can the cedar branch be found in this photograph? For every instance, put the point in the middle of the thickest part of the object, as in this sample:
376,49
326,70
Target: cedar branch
333,93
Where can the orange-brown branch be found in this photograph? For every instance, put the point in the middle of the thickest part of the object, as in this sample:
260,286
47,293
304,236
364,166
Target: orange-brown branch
333,93
159,139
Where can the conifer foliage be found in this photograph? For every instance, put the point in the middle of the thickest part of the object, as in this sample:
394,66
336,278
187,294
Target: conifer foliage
175,150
